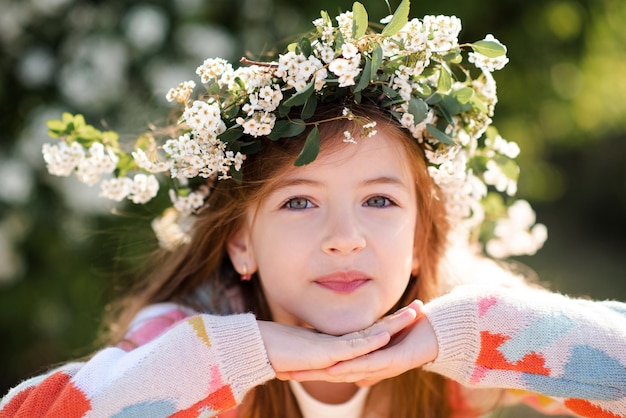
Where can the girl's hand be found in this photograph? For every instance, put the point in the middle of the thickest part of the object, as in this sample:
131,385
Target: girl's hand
408,349
300,350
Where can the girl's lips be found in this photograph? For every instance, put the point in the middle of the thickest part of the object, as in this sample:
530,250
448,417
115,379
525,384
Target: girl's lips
343,282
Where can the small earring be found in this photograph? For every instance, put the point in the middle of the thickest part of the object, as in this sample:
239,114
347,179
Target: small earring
245,277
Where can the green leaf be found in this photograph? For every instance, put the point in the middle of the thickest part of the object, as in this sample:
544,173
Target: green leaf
308,110
237,175
251,147
377,59
305,47
389,92
491,49
444,83
478,104
231,134
300,97
56,128
399,19
360,20
213,89
232,112
452,106
311,148
286,128
364,80
418,108
438,135
463,95
326,17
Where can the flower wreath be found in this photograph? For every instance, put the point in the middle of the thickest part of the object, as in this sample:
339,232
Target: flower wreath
415,66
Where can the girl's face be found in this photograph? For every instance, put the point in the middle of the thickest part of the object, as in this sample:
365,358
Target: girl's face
333,243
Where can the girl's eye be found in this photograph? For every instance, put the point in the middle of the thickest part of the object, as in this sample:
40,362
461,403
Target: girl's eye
298,203
378,202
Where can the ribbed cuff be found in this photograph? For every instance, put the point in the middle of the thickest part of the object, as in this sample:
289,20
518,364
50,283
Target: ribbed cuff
244,361
454,320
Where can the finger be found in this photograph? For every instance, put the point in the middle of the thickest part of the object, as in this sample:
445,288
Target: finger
399,320
355,345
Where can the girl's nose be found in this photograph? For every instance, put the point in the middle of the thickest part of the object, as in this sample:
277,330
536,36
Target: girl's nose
343,233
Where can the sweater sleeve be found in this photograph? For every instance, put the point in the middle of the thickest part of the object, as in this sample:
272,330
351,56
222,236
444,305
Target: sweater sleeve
197,366
571,350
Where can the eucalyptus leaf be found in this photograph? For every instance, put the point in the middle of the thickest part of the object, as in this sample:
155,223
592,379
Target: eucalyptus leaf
399,19
286,128
251,147
377,59
418,108
231,134
360,20
300,97
452,106
490,49
237,175
439,135
311,148
444,83
308,110
478,104
389,92
463,95
213,89
364,80
305,47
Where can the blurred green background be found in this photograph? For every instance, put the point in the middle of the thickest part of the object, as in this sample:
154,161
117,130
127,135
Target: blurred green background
562,98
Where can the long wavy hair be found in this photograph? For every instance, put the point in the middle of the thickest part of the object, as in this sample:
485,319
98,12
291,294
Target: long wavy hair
201,275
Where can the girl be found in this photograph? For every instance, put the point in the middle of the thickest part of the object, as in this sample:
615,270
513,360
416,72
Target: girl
323,249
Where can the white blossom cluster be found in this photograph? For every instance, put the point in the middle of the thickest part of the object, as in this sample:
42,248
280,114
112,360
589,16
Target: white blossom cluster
247,101
517,233
90,166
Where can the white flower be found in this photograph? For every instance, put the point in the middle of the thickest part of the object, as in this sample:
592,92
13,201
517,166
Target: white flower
145,163
348,137
260,124
181,93
368,129
346,69
143,188
98,161
116,189
190,203
172,229
349,50
498,178
486,63
62,159
213,68
517,234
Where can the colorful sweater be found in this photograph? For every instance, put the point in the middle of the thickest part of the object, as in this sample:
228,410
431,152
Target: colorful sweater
176,363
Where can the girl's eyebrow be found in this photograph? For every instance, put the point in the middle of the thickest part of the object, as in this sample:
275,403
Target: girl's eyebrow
391,180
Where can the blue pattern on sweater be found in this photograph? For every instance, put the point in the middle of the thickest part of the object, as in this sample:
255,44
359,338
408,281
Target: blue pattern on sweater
536,336
590,373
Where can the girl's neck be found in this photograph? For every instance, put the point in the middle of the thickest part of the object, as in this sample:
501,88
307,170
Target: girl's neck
329,392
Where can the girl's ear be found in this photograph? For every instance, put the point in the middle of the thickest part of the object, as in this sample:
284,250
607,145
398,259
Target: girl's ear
239,248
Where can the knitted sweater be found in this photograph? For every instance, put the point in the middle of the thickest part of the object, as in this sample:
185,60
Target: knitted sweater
176,363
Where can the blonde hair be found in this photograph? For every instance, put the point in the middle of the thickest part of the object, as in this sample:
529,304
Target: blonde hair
200,274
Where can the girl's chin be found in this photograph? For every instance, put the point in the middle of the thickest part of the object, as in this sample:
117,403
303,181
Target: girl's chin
343,325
